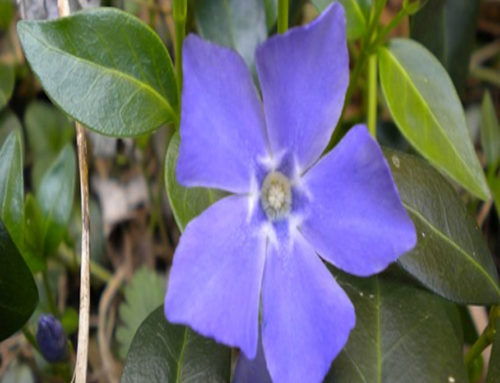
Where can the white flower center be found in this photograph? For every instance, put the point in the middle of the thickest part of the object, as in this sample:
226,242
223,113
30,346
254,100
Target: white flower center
276,196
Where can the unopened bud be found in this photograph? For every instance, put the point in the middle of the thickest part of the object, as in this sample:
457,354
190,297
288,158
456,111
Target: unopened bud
51,339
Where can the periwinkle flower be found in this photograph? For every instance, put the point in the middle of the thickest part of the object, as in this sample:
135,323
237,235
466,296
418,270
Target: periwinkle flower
288,207
51,339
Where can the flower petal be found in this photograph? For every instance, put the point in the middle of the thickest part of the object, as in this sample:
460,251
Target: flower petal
304,75
252,370
307,317
222,124
356,219
214,283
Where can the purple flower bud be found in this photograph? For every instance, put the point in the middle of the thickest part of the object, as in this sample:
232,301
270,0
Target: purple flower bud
51,339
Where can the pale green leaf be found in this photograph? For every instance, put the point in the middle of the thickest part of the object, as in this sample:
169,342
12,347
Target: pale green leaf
427,110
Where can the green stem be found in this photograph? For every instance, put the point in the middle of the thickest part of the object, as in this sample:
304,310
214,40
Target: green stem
180,13
48,292
30,337
372,95
283,6
485,339
368,46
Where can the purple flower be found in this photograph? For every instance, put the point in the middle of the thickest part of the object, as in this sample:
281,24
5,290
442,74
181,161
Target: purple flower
288,207
51,339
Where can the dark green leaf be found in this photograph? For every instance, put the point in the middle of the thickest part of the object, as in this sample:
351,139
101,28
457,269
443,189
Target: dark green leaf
494,369
490,131
55,197
48,130
427,110
165,353
7,77
105,68
447,28
186,203
137,305
18,293
451,256
12,187
403,334
355,16
239,24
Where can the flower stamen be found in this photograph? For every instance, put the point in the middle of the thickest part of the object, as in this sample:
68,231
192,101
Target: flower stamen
276,196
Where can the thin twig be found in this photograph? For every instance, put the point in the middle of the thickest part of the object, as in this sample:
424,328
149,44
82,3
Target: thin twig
106,298
80,373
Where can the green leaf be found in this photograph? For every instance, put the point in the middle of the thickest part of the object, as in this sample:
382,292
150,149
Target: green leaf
490,131
448,28
12,187
55,198
165,353
355,16
8,123
18,293
138,305
494,369
105,68
427,110
451,256
239,24
7,77
402,334
48,130
186,203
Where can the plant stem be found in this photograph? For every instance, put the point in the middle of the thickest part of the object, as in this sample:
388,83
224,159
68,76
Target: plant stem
485,339
48,292
372,95
369,45
180,14
283,6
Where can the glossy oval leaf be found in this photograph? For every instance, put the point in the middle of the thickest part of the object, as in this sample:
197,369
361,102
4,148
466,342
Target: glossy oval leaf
105,68
18,292
402,334
12,187
451,256
7,77
186,203
165,353
490,131
427,110
355,16
55,197
239,24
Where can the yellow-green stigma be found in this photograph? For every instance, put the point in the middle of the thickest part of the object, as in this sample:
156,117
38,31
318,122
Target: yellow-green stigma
276,196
